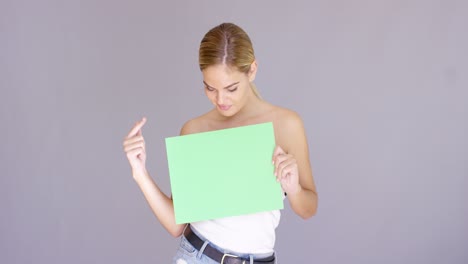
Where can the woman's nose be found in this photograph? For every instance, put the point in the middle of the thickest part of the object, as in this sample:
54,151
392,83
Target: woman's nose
220,98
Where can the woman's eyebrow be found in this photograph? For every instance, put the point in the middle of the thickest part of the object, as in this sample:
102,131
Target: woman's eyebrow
229,86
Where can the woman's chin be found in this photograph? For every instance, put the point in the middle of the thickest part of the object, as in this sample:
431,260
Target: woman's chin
223,113
226,113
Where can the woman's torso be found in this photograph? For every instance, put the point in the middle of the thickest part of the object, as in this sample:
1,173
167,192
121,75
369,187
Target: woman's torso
254,233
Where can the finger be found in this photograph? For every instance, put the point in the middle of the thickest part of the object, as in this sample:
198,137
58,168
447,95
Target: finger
135,145
139,133
278,150
288,170
137,127
135,153
133,132
284,166
280,159
132,140
129,144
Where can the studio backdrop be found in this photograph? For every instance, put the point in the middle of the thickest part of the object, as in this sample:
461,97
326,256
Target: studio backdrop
381,87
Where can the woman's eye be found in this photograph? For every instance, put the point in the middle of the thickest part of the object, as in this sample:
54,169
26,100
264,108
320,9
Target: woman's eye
232,90
209,89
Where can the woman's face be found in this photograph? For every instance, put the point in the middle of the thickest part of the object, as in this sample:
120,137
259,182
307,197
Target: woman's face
228,88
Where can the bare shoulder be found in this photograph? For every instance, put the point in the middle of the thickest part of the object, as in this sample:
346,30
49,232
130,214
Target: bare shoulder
288,120
192,126
195,125
289,129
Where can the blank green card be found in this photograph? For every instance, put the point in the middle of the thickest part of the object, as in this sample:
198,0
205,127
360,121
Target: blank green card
223,173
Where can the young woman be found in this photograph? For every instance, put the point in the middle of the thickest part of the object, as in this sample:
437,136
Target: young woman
228,65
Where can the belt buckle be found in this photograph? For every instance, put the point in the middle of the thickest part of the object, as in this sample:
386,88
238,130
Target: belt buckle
229,255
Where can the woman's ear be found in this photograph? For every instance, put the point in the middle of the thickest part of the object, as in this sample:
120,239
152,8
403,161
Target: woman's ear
253,71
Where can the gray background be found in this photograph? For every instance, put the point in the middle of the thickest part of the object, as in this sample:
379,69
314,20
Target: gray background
381,87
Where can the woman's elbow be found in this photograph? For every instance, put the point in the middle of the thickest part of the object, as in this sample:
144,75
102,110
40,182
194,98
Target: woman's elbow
308,214
308,211
176,231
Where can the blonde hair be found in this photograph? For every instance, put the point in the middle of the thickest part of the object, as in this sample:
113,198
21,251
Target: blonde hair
227,44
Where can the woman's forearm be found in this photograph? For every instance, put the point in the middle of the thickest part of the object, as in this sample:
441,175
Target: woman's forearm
304,202
161,205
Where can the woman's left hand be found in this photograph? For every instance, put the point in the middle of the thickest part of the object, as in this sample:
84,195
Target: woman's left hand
286,171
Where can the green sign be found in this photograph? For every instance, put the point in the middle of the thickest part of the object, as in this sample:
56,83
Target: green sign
222,173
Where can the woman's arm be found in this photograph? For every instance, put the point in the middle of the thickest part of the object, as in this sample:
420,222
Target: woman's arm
292,166
161,205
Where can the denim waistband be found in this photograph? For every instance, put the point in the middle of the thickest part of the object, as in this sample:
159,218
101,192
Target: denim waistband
227,251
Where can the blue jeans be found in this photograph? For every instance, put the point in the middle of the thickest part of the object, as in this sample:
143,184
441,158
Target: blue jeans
187,254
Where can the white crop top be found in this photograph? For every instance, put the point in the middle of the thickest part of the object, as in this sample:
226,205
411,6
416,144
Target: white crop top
252,233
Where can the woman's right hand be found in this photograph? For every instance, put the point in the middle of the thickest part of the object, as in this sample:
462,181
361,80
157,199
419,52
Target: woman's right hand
134,147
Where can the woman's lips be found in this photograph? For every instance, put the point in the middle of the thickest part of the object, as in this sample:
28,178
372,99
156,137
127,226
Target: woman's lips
224,107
